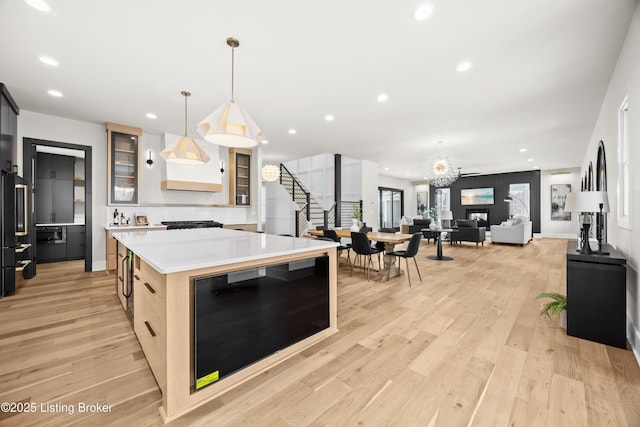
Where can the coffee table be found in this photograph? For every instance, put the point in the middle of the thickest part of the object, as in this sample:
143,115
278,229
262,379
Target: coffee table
438,237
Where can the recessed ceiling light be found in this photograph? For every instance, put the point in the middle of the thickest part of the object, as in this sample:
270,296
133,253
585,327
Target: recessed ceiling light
383,97
523,150
40,5
463,66
292,131
529,160
386,169
329,117
422,12
265,141
151,116
55,93
48,60
408,174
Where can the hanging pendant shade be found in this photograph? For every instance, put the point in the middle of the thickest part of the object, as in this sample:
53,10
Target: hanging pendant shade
185,151
230,125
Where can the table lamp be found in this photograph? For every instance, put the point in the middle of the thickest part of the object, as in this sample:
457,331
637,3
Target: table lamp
446,216
588,202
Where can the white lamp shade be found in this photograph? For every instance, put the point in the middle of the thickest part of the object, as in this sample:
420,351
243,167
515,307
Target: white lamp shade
185,151
270,172
230,126
446,215
587,201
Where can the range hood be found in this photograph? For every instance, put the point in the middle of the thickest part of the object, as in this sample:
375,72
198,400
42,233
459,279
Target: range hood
206,178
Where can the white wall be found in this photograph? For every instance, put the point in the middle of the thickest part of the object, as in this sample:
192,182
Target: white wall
558,229
351,179
625,81
316,173
280,210
370,202
58,129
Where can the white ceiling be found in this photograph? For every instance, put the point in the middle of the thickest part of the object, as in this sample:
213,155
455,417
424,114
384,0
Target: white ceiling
540,71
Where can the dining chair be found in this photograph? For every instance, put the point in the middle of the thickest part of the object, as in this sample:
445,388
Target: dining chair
410,252
331,234
361,246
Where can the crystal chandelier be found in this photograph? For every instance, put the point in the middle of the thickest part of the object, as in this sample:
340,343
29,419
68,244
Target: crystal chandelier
442,169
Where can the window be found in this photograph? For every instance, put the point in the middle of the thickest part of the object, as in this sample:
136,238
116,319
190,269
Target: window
520,205
624,168
391,207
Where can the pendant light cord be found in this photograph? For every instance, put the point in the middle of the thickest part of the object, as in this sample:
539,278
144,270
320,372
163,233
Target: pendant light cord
185,114
233,50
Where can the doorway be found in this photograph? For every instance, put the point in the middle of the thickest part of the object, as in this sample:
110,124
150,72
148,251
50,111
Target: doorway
82,200
391,207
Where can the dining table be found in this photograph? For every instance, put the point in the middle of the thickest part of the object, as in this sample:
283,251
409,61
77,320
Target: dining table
390,240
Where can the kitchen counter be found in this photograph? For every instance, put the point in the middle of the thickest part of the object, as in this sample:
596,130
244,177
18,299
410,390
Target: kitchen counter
189,290
114,227
172,251
60,224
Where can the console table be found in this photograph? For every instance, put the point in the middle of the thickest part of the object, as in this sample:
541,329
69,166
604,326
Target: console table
596,296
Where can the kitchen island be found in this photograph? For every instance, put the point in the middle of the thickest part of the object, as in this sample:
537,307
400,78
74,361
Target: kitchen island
214,307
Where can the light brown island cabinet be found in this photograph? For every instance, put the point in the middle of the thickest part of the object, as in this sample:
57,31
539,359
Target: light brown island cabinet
210,319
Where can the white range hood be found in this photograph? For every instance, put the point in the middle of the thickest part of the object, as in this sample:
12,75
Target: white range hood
205,177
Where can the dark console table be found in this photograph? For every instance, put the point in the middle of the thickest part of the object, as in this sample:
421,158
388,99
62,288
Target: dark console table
596,296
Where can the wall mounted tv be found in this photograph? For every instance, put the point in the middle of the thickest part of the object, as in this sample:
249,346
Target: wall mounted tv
476,196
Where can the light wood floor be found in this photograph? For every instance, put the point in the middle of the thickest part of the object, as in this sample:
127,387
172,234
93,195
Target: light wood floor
466,346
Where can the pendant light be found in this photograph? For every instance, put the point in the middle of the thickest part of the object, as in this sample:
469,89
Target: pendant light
230,125
185,151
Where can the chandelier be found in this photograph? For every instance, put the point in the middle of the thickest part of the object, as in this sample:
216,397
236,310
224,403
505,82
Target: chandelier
270,172
442,169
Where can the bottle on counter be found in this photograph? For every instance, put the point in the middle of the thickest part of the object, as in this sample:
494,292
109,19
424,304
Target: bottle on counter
115,217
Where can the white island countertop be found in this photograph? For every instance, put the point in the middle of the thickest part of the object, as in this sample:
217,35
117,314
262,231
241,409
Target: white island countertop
172,251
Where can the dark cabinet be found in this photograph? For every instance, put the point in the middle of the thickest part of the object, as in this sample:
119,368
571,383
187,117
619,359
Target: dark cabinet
596,296
60,243
75,242
54,188
8,129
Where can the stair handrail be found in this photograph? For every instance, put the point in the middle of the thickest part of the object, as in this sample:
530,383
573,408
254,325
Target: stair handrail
295,183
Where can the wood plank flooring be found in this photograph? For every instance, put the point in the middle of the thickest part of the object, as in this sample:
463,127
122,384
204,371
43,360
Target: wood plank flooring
464,347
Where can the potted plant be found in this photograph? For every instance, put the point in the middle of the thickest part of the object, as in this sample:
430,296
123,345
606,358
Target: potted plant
356,217
557,305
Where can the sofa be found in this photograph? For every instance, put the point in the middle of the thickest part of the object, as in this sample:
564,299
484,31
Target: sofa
515,231
468,231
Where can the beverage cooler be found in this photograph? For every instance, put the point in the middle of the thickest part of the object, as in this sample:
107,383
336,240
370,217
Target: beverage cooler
16,253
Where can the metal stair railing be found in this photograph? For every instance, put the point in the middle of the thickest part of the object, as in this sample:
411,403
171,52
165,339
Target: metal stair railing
299,195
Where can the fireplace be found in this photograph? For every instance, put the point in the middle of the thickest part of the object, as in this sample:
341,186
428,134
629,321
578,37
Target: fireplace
480,215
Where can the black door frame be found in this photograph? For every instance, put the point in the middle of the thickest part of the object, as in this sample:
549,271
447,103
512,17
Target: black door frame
28,151
393,190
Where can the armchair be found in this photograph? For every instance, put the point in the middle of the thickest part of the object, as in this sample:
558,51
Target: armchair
468,231
517,231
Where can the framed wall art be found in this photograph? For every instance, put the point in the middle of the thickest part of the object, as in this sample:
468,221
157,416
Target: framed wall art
558,199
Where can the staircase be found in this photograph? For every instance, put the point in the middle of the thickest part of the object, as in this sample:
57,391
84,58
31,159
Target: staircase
308,208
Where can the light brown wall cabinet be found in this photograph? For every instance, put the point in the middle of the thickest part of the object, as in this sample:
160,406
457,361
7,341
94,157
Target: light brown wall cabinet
122,166
240,177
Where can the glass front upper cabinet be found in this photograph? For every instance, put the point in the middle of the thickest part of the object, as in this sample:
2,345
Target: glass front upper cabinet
123,163
240,177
